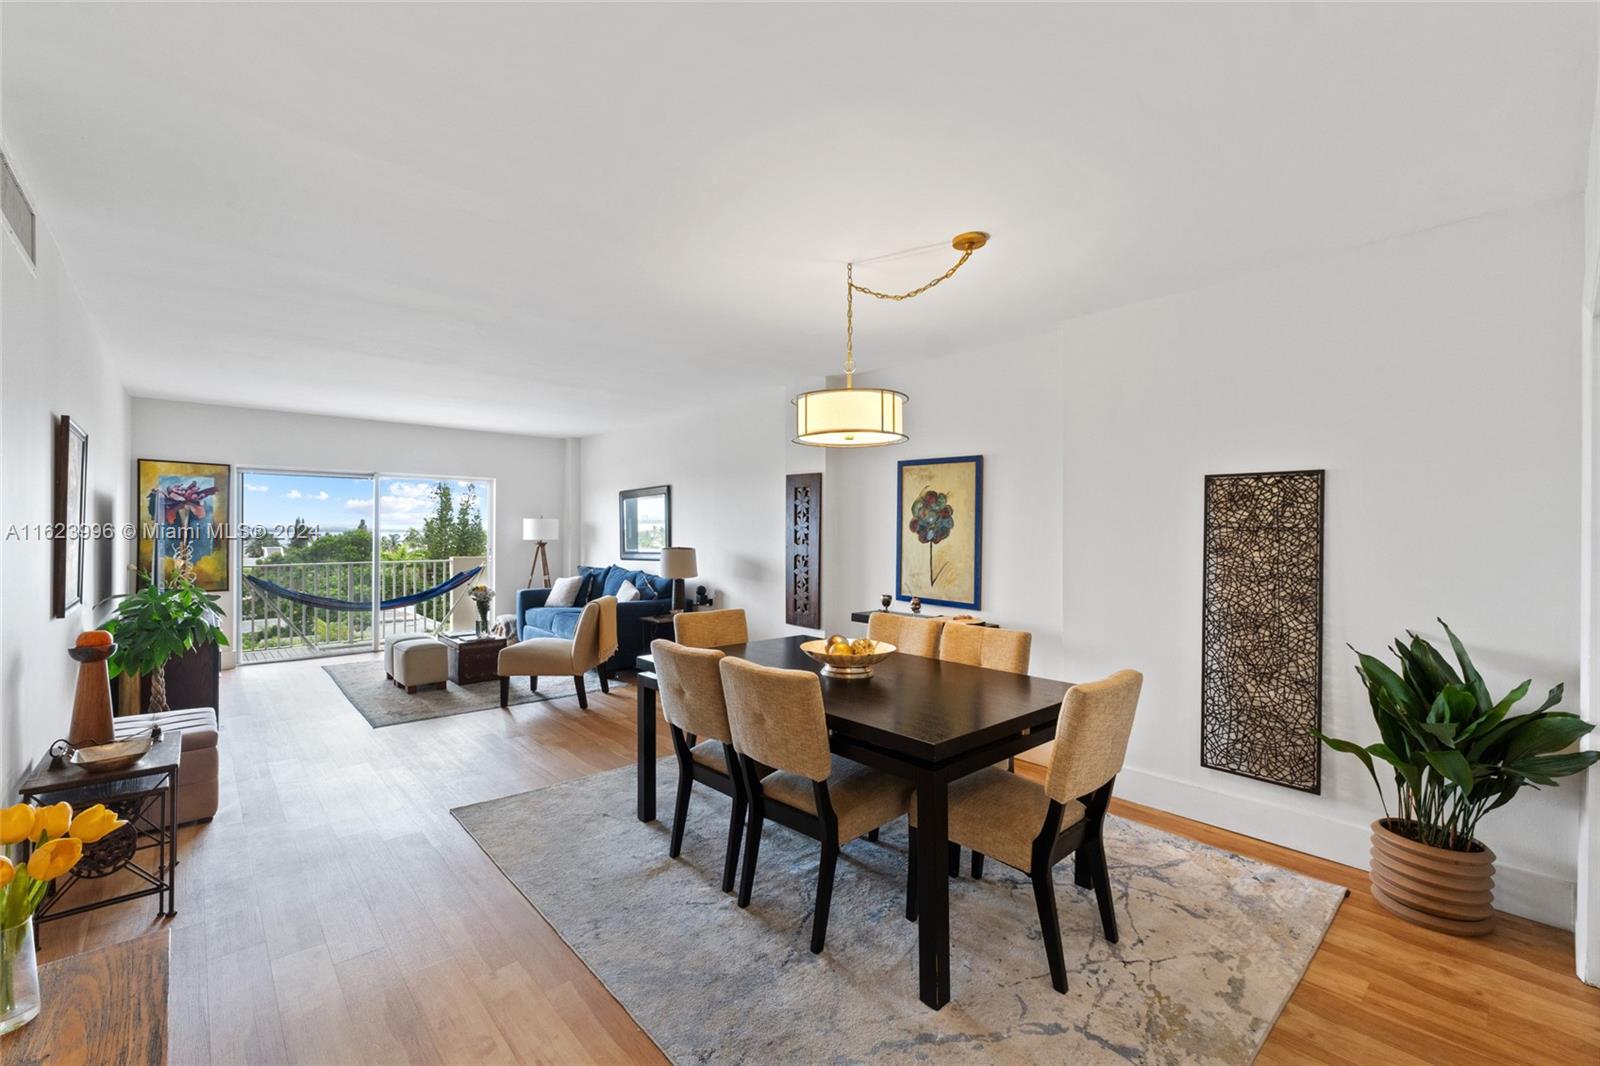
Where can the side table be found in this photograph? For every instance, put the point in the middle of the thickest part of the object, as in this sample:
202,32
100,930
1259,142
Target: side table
658,627
473,658
146,795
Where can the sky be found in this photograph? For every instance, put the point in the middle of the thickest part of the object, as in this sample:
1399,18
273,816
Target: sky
336,503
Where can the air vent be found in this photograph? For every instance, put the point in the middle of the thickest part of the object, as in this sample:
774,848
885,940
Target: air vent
18,212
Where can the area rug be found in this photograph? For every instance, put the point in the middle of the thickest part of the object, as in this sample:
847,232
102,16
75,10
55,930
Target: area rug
382,703
1211,946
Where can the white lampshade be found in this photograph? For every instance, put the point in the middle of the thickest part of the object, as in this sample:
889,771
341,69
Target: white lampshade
541,529
850,418
678,562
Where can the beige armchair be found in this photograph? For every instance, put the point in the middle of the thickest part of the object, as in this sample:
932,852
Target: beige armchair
592,644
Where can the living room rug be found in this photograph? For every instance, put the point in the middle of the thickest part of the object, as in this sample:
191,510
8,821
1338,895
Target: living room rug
382,703
1212,944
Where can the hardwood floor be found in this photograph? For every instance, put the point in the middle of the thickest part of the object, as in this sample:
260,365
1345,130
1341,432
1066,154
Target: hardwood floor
334,912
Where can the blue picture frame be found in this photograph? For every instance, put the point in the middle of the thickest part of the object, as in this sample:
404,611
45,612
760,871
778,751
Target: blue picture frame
904,532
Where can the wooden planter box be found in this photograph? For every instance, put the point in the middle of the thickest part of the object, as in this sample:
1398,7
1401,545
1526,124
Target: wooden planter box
192,681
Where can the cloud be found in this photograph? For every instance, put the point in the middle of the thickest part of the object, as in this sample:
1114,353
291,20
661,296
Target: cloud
411,489
292,494
358,505
250,487
404,504
321,495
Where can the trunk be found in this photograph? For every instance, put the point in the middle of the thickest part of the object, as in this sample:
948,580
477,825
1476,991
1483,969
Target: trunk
158,691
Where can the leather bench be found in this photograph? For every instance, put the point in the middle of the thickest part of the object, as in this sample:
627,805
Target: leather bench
197,773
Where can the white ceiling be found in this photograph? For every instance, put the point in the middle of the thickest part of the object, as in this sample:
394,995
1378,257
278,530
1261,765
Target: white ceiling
554,219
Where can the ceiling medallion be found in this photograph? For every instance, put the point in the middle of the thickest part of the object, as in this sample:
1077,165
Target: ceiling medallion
864,418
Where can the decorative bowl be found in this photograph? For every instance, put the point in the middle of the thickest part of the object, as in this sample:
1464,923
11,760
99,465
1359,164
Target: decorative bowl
92,654
847,666
117,755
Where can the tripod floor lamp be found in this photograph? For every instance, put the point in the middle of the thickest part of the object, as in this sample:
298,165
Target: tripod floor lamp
541,531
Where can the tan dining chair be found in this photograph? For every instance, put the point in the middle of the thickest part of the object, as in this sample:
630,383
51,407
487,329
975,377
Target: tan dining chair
778,721
594,641
710,629
1031,828
690,691
910,635
992,649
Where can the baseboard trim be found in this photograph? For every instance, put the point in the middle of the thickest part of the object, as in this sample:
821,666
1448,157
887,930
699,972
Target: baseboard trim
1527,893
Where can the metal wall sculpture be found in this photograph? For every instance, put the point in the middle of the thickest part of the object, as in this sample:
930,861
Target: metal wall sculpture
803,598
1261,627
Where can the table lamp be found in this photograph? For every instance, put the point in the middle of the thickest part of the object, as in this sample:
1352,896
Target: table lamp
677,564
542,531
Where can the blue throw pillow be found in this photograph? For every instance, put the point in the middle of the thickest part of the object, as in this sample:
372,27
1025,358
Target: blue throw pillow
654,587
614,579
594,578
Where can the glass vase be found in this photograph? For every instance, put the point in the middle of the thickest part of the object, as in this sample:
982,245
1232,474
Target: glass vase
19,977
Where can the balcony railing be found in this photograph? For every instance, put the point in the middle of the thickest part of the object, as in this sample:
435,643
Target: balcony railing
274,627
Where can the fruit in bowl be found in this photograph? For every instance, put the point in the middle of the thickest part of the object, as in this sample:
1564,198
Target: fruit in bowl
848,658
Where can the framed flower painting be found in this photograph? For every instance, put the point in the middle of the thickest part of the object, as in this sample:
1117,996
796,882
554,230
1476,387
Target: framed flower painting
939,553
183,521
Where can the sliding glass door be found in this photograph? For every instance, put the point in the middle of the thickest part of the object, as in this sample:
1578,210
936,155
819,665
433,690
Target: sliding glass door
306,562
320,553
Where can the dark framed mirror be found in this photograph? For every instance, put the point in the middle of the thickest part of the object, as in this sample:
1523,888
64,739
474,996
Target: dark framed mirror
645,520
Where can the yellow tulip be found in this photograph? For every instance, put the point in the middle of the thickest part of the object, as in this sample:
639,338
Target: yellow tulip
52,821
50,861
16,823
7,871
94,823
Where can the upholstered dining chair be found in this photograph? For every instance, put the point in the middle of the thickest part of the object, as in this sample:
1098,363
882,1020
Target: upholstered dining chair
690,690
710,629
910,635
992,649
1031,828
778,721
594,641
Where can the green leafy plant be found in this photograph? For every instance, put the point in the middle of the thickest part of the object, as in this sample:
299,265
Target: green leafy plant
1456,752
157,624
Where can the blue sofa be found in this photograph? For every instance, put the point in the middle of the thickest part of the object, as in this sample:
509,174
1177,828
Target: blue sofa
534,619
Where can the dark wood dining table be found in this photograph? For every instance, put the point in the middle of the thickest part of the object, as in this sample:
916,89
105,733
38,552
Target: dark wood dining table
928,721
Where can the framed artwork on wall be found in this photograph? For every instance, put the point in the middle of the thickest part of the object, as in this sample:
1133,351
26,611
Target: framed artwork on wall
69,510
645,521
183,521
802,601
939,552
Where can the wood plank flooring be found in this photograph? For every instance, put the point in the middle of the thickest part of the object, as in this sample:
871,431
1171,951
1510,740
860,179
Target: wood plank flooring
334,912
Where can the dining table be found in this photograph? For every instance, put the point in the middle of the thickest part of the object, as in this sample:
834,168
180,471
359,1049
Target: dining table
928,721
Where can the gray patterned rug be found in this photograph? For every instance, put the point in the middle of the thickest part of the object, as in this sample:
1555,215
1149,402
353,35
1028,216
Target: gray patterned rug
381,703
1212,944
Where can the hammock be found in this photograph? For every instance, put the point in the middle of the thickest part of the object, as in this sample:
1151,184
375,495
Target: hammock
329,603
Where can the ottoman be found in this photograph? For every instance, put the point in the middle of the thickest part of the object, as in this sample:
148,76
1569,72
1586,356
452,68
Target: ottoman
389,645
197,773
420,663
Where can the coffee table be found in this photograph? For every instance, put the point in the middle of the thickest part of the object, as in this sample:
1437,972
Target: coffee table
473,658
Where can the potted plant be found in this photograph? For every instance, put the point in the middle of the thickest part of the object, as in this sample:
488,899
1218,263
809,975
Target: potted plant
159,623
1457,754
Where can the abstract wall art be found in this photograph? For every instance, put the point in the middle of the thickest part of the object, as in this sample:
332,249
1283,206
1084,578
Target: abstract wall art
1261,627
183,521
803,580
939,553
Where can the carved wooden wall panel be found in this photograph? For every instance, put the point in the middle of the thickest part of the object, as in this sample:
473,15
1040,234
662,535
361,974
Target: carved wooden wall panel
803,595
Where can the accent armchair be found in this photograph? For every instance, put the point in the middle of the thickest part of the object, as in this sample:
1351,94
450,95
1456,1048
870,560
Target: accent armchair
592,644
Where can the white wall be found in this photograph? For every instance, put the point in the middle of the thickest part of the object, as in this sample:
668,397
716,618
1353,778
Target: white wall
1434,376
529,472
726,468
51,364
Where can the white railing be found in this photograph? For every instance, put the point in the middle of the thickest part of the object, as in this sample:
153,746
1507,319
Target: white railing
275,627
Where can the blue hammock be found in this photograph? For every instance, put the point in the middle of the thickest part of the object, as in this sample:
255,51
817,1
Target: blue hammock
329,603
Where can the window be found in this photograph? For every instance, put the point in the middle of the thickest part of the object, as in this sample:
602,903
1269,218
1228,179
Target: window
646,519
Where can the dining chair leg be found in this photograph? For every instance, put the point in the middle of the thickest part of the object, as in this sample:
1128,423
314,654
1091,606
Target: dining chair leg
825,869
583,696
1044,894
505,693
872,835
754,820
533,683
977,866
955,859
1102,891
1081,873
911,875
730,863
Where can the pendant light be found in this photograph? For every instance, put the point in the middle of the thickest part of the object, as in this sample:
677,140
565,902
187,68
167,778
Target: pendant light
864,418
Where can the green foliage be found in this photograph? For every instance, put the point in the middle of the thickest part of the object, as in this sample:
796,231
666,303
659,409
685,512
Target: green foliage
1456,752
454,528
155,625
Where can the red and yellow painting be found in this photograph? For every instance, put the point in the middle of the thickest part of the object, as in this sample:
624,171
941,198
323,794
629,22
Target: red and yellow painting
183,521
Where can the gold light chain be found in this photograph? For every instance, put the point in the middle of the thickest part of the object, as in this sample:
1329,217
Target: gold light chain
850,290
863,290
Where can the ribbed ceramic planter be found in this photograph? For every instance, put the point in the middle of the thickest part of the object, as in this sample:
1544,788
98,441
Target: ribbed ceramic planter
1452,891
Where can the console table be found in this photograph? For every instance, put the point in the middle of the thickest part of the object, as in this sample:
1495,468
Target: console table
866,616
108,1005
